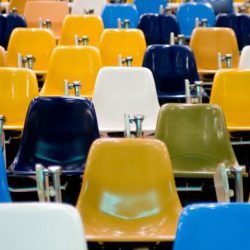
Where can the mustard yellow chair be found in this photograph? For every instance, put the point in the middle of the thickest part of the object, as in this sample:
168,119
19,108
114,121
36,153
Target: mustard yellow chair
79,26
72,63
18,5
207,42
128,192
2,56
230,91
18,88
123,42
36,42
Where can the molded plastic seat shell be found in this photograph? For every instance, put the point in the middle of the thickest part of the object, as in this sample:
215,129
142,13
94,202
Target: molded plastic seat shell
80,6
149,6
19,5
245,58
225,6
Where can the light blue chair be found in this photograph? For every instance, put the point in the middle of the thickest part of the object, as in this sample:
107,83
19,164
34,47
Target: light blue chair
149,6
112,12
214,227
187,14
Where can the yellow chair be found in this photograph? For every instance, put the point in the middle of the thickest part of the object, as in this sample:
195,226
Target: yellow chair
72,63
128,192
36,42
207,42
18,5
124,42
230,91
18,88
85,25
2,57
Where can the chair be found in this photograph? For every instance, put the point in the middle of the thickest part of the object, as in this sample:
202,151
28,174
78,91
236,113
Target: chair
37,42
200,227
2,57
2,28
18,5
112,12
18,88
225,6
244,58
124,42
125,90
85,25
80,7
113,208
149,6
188,12
57,131
199,142
207,42
46,226
230,92
72,63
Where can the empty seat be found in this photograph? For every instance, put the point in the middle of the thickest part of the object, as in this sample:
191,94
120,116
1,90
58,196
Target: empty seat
225,6
245,58
149,6
125,90
85,6
58,131
199,142
113,208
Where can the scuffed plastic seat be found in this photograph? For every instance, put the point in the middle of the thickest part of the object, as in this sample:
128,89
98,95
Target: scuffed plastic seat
149,6
80,7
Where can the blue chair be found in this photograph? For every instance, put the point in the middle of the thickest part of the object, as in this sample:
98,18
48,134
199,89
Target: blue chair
187,14
219,6
57,131
111,13
149,6
170,66
214,226
2,28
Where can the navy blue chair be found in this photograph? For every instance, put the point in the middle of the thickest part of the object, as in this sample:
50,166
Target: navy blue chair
111,13
57,131
219,6
170,66
2,28
214,226
149,6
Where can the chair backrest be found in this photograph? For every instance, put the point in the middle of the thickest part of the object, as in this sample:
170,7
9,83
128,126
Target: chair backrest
18,88
207,42
72,63
85,25
225,6
2,28
18,5
36,42
2,57
57,131
245,58
125,90
188,12
204,143
45,226
149,6
171,65
124,42
112,12
230,92
199,221
54,11
82,6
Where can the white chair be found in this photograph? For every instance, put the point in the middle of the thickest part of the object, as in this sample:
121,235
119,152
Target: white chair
121,90
245,58
82,6
40,226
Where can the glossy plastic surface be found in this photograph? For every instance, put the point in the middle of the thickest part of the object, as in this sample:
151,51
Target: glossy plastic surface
199,142
245,58
125,90
214,226
2,28
37,42
230,91
128,192
72,63
207,42
80,6
57,131
124,42
45,226
225,6
188,12
18,88
2,57
85,25
149,6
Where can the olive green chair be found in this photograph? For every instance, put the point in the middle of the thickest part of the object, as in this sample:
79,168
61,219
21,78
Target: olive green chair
196,137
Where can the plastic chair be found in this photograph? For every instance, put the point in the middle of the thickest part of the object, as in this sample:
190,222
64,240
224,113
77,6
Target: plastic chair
2,57
125,90
2,28
244,58
149,6
200,227
37,42
188,12
199,142
220,6
57,131
80,7
72,63
113,208
18,5
124,42
18,88
230,92
207,42
46,226
112,12
87,25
